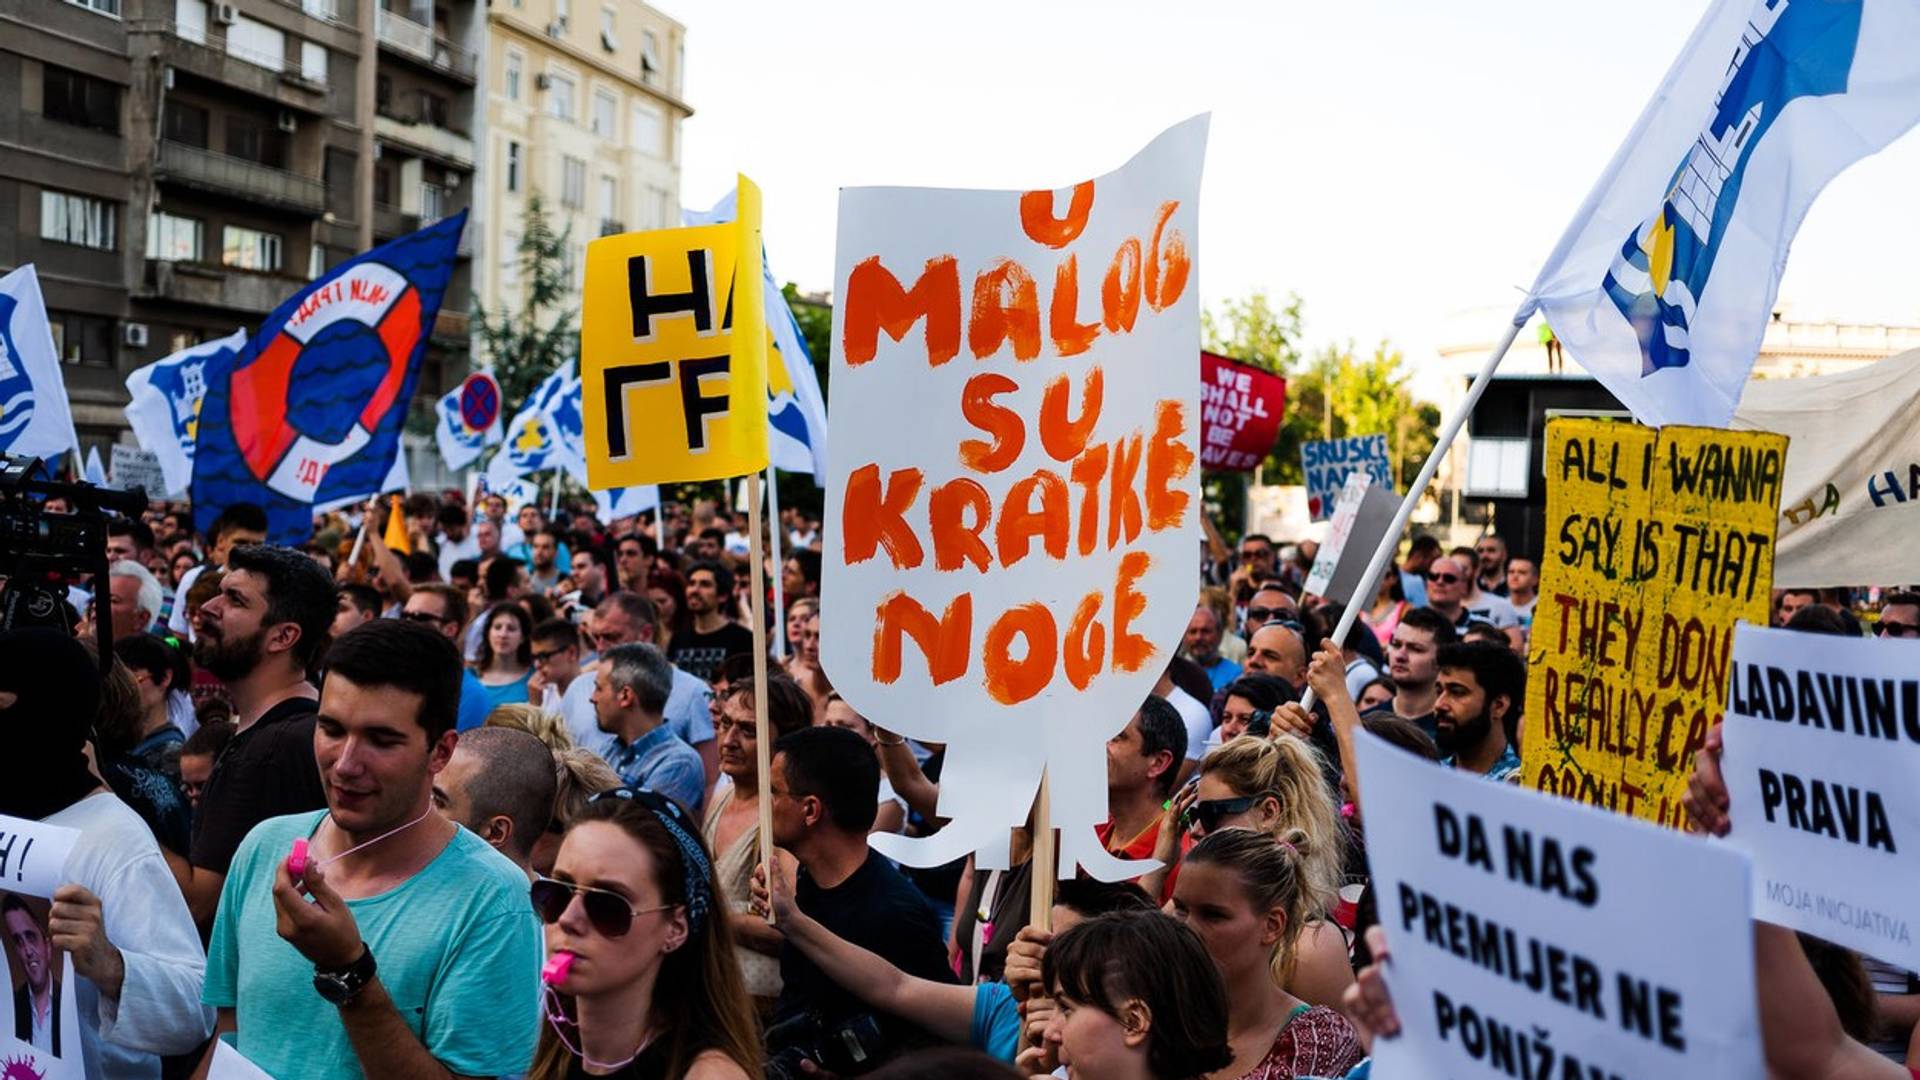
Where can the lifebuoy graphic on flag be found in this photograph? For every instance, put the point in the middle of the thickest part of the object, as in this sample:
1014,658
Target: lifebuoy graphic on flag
309,416
374,320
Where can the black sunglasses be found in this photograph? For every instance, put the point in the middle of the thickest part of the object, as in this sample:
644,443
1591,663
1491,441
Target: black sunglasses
608,912
422,617
1208,813
1262,614
1450,579
1896,629
543,657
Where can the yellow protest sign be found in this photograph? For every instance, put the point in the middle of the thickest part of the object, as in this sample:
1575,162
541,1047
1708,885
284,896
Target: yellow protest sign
673,353
1657,542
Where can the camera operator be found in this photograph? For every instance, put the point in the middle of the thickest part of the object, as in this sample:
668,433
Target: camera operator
825,792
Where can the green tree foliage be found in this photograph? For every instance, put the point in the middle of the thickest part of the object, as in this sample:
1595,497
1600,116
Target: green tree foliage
1332,395
525,346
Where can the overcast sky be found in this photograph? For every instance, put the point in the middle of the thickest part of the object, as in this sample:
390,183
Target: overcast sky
1395,162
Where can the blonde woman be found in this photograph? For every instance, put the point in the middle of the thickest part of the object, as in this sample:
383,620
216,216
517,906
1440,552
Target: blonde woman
1273,787
548,727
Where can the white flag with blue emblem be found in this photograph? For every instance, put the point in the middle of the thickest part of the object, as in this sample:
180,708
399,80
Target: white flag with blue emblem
164,403
35,420
796,410
533,441
467,420
1663,285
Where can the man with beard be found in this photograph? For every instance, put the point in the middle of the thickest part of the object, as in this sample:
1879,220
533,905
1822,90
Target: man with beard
240,523
260,636
1481,687
544,549
704,646
117,913
1412,655
1202,643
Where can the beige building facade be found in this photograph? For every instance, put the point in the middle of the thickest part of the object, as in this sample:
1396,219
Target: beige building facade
584,106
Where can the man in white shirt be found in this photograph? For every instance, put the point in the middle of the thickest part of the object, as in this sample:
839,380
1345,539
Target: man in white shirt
456,540
119,916
134,595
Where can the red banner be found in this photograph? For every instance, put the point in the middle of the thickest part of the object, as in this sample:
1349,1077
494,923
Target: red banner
1240,410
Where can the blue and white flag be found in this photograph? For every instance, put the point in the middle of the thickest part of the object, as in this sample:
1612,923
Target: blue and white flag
533,441
93,472
468,420
310,415
35,419
796,410
625,502
1663,285
164,402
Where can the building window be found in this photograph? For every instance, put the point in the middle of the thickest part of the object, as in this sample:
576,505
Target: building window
383,94
573,183
190,20
104,7
316,261
560,97
434,110
249,137
433,203
82,339
339,172
649,57
171,238
76,219
257,43
562,12
250,249
515,65
605,109
513,167
609,39
80,100
184,123
646,128
609,199
313,62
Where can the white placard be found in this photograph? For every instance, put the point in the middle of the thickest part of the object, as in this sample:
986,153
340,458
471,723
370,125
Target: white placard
1360,521
229,1064
1531,929
33,862
1014,488
1822,765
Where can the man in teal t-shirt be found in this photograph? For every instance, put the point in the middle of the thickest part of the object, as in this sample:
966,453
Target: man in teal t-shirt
409,945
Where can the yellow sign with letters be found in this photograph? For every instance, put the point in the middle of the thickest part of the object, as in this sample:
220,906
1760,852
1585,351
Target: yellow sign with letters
673,353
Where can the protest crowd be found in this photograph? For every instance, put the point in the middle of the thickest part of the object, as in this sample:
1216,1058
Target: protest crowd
483,756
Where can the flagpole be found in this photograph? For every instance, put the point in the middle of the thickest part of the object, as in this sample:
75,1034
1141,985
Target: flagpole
1382,555
763,732
553,500
780,643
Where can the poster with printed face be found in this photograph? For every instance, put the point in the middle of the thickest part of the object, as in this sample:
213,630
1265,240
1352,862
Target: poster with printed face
673,353
1658,542
1822,765
40,1038
1533,937
1014,491
1327,464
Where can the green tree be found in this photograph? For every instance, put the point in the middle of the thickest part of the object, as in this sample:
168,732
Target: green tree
525,346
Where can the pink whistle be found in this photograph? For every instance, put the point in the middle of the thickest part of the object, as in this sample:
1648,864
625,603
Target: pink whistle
297,860
557,967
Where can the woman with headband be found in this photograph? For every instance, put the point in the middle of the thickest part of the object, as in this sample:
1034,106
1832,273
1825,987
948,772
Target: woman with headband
642,983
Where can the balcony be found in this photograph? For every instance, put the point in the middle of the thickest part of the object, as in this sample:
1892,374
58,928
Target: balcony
207,285
612,227
227,175
420,137
391,221
274,78
403,36
341,12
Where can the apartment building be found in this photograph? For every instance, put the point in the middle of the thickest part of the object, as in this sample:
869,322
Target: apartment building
177,168
584,106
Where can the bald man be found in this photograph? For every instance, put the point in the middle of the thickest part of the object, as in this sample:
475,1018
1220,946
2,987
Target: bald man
1278,651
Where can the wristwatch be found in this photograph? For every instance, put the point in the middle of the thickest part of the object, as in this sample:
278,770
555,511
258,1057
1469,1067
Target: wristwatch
342,985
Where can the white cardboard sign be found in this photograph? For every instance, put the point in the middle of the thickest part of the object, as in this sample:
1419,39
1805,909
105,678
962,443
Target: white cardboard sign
1822,765
1532,936
33,863
1014,491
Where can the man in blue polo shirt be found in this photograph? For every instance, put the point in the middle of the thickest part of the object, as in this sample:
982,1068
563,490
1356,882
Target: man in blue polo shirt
630,692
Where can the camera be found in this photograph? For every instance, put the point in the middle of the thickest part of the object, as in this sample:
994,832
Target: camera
43,552
847,1047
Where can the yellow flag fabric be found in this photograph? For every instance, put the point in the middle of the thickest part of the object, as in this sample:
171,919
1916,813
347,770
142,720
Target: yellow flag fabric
673,353
396,538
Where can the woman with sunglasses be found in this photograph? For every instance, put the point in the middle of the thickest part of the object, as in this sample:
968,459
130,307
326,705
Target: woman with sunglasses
641,983
1251,899
1273,787
505,661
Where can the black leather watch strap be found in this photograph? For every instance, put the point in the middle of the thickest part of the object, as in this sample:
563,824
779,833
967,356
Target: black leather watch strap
342,985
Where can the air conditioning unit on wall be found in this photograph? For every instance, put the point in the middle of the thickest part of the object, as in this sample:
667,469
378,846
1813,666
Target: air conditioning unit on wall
287,121
135,335
226,14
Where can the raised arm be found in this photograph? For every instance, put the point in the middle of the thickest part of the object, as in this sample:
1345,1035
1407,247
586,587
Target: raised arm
903,772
